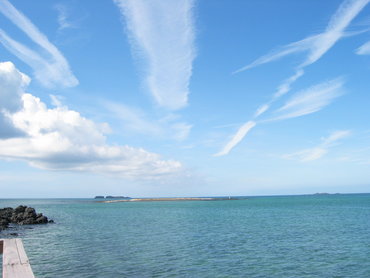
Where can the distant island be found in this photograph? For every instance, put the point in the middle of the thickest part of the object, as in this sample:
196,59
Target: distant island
325,193
112,197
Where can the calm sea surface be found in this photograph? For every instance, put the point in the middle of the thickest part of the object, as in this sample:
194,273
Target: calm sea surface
295,236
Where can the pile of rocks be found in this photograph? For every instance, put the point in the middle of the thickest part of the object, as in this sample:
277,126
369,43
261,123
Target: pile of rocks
21,215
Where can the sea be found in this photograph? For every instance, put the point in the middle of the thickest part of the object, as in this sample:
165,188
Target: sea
276,236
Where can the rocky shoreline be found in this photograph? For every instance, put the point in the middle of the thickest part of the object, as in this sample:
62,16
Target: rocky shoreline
21,215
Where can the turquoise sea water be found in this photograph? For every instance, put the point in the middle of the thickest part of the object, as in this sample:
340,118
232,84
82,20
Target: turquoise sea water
295,236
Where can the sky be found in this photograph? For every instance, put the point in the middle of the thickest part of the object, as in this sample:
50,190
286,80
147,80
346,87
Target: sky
150,98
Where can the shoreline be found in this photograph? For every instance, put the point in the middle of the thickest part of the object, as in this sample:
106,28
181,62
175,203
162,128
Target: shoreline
170,199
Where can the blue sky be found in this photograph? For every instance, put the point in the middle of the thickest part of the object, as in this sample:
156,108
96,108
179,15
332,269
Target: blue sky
184,98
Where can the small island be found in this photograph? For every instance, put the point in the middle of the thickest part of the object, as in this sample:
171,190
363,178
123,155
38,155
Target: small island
111,197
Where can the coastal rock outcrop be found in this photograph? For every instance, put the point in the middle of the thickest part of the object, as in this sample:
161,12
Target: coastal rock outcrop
21,215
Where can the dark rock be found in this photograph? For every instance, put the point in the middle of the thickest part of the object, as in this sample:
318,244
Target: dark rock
6,212
21,215
20,209
28,221
4,223
30,210
42,220
5,215
13,234
51,221
29,213
17,217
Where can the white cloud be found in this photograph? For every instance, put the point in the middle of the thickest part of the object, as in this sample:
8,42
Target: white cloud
317,45
346,12
292,48
62,139
262,109
364,49
283,88
163,32
63,21
307,155
335,136
7,129
50,68
319,96
356,155
311,100
56,100
286,84
133,119
320,150
239,135
180,130
138,121
12,84
303,103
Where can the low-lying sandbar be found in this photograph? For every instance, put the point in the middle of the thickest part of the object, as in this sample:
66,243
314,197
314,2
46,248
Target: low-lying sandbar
169,199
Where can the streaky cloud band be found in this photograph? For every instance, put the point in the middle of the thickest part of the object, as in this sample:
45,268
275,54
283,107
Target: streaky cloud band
163,32
51,70
316,46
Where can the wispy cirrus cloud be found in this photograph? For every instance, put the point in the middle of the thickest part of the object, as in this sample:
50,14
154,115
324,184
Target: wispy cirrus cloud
239,135
364,49
311,100
50,66
302,103
283,88
320,150
133,119
138,121
162,31
315,46
275,55
63,17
